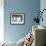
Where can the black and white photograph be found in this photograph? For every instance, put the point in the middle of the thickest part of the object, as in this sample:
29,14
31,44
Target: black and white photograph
17,18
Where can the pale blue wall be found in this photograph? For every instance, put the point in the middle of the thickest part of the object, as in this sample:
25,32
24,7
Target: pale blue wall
43,6
29,7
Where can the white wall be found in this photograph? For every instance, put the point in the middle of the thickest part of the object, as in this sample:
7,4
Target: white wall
1,20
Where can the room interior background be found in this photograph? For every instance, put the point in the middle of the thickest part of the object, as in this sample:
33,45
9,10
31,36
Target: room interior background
29,8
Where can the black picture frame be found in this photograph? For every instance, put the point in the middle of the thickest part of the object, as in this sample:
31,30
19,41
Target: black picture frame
17,18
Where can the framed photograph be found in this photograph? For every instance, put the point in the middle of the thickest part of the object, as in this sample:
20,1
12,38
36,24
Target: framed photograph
17,18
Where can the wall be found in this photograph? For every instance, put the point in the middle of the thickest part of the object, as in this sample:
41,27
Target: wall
43,6
29,7
1,21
